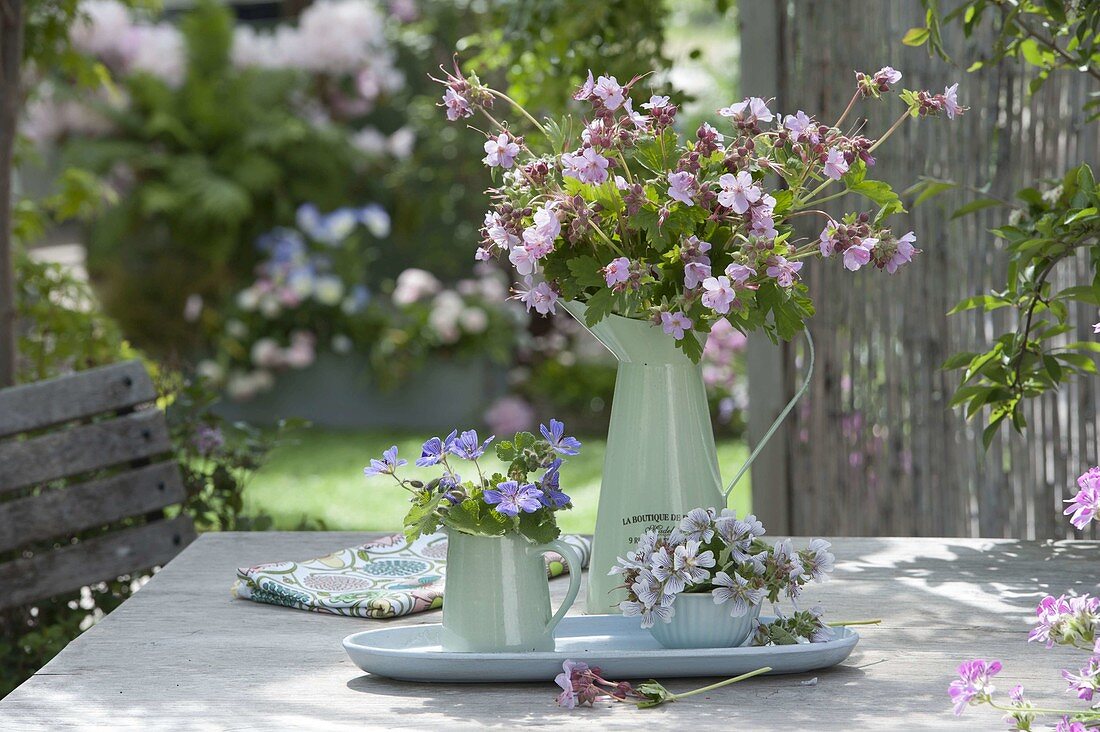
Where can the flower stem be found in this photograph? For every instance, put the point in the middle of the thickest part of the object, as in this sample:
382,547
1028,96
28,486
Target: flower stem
844,623
607,239
519,108
847,109
1042,710
720,684
830,197
892,130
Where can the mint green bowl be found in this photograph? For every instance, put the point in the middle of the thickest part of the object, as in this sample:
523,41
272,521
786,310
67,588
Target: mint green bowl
699,623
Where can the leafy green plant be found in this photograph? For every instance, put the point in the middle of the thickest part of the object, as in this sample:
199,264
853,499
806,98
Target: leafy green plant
1049,36
1052,223
204,168
1046,231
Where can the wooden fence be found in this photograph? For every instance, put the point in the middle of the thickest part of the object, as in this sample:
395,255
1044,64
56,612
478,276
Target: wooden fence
874,449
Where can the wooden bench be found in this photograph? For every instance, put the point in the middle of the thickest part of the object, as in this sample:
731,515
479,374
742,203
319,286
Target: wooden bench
85,453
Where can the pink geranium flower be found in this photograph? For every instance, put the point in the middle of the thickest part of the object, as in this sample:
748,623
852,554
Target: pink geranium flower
783,271
835,165
501,151
858,255
588,166
681,185
617,271
719,294
675,324
738,191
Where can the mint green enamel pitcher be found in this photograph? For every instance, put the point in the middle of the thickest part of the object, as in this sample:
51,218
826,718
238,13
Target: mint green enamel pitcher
661,461
497,597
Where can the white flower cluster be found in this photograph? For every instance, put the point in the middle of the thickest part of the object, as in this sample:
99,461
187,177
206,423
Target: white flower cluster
456,312
719,553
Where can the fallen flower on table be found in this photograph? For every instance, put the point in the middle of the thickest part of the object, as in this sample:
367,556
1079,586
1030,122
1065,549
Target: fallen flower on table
583,684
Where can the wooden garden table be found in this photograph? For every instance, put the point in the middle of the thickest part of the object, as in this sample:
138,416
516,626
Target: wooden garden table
183,654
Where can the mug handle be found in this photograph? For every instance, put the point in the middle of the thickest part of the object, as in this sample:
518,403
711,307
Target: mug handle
573,561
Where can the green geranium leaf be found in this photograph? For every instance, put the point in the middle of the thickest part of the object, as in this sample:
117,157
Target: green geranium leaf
586,271
474,517
540,526
506,451
422,518
600,306
524,440
881,193
655,694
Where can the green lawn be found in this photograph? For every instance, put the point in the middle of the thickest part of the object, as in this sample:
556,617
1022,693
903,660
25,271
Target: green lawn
320,477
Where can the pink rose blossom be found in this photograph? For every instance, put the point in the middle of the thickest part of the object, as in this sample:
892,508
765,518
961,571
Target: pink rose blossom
675,324
738,191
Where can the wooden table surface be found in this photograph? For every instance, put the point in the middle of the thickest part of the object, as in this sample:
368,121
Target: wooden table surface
183,654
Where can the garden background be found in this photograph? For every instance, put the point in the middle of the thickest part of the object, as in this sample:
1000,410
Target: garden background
264,202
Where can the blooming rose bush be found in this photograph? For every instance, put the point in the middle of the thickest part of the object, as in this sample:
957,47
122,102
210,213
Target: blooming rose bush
1072,621
516,501
720,554
620,213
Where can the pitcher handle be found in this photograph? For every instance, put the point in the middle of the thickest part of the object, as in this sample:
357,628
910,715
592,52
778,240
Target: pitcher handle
573,561
778,420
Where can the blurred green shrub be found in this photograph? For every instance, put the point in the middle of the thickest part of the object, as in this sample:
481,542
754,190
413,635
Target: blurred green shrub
204,168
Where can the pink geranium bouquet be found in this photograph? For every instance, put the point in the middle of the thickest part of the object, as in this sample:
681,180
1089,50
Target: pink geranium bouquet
621,213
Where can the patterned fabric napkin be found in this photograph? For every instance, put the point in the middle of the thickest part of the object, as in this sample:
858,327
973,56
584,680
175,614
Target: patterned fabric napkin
384,578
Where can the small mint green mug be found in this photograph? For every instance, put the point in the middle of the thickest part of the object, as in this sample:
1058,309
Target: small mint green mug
497,596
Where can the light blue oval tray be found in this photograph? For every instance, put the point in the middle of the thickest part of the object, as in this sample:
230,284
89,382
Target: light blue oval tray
614,643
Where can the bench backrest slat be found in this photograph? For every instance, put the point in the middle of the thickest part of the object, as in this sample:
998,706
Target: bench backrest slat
47,403
70,510
93,560
85,475
77,450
